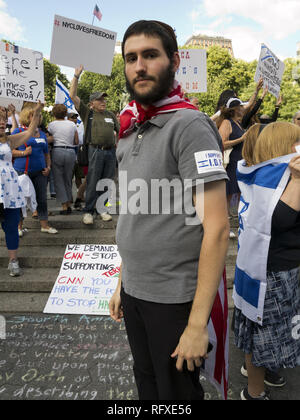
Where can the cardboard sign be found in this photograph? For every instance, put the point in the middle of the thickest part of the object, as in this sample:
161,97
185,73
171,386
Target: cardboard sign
21,73
87,280
75,43
271,69
192,73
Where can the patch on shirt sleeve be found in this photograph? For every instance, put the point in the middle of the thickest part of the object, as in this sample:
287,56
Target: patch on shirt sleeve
209,161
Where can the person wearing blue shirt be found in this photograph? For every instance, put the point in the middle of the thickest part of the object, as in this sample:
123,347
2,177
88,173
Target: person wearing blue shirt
33,158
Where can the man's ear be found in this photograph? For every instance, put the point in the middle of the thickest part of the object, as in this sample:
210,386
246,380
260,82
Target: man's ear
176,61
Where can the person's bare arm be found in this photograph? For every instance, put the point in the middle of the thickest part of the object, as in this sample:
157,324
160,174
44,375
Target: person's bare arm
225,130
115,308
17,140
12,110
74,87
193,344
291,196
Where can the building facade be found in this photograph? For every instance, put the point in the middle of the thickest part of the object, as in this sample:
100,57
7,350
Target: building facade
205,42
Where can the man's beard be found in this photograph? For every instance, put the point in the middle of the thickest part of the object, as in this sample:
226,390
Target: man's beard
160,90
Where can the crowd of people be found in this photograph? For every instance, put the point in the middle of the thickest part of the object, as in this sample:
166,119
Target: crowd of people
165,292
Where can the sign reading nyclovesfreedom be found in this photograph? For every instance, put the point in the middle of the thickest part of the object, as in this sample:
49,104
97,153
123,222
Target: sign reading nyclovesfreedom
87,280
75,43
192,73
271,69
21,73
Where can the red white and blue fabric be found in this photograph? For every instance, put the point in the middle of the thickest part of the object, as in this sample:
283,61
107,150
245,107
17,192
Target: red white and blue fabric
217,365
261,187
97,13
134,113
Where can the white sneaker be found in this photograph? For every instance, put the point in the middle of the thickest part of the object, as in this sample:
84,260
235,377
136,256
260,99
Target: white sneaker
49,230
232,235
88,219
21,233
14,268
106,217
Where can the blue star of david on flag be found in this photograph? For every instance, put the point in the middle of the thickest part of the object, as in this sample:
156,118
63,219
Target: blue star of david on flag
62,96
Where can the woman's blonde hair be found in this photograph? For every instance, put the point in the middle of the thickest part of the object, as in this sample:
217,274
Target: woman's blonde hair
26,115
250,141
276,140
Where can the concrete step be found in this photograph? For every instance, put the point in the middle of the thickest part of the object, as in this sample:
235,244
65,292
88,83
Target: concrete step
36,257
17,302
32,280
65,237
73,221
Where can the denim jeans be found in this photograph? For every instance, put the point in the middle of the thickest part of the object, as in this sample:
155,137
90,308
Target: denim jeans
102,165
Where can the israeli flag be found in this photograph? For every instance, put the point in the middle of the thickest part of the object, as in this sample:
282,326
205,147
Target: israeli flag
62,96
261,189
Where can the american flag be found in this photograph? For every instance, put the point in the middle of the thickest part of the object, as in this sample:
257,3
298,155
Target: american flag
216,366
97,12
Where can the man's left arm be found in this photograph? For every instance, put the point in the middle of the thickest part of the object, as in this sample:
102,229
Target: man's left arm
193,344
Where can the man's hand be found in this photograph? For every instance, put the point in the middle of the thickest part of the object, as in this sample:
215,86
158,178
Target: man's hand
115,308
46,172
192,348
78,71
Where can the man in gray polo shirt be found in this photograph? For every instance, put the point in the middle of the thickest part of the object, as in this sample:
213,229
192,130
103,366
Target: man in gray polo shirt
171,268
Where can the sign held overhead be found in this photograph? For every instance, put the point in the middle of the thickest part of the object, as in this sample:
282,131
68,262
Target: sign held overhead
271,69
75,43
21,73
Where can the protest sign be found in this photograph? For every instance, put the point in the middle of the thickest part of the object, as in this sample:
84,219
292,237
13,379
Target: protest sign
87,280
75,43
192,73
271,69
21,73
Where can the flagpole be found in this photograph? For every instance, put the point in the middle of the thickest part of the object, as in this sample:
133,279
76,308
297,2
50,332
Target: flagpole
93,20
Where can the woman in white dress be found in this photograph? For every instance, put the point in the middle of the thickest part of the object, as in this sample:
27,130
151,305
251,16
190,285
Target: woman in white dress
12,198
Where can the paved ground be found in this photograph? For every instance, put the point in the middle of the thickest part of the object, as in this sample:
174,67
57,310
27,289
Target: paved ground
60,357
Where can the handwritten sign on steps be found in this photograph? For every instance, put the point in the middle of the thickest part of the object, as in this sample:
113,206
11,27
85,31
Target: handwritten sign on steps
87,280
21,73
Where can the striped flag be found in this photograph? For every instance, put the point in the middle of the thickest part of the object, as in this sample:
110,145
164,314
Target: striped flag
97,13
62,96
261,186
216,366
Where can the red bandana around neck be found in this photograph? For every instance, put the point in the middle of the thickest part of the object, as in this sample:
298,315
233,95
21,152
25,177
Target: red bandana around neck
134,113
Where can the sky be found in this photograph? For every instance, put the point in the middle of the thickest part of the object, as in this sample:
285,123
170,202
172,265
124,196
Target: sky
248,23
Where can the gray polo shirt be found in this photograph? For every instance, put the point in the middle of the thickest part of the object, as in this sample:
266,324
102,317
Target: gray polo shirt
159,249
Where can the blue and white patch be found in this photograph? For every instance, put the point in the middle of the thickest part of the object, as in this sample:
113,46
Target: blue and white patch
209,161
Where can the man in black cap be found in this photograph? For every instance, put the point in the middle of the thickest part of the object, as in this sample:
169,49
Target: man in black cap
100,128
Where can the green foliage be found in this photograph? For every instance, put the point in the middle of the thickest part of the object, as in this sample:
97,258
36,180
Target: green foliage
51,71
113,85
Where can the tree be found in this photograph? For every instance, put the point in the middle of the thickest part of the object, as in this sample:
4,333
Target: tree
113,85
51,71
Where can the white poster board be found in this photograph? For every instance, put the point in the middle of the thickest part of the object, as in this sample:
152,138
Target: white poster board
192,73
87,280
21,73
271,69
75,43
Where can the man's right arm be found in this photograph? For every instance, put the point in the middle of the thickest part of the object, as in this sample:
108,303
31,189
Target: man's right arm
74,87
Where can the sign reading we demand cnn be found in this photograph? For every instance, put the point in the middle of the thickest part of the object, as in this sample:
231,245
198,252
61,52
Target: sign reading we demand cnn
75,43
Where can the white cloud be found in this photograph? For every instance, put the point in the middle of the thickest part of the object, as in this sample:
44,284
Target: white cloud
260,21
279,18
10,28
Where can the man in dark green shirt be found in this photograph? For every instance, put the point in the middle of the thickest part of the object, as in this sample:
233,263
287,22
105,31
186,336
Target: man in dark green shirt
100,130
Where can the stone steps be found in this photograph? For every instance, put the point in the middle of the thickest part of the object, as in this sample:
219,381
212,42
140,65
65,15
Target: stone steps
41,256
